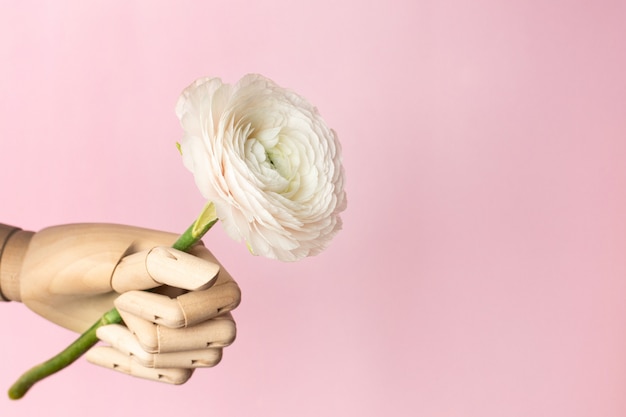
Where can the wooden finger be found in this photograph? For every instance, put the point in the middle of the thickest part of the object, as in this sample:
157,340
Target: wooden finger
156,308
203,358
222,297
185,310
163,265
111,358
146,332
218,332
153,338
120,338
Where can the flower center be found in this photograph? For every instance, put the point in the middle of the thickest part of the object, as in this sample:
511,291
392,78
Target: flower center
268,157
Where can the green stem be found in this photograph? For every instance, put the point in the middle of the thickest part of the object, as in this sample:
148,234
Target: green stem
63,359
88,339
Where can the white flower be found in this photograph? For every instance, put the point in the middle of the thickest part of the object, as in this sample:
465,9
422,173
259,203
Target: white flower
266,159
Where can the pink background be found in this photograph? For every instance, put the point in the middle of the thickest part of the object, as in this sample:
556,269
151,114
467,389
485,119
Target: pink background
481,270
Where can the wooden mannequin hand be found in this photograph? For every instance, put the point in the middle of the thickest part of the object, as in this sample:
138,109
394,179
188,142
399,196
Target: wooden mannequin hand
72,274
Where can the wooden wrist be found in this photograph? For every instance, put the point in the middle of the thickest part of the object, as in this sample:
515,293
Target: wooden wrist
13,244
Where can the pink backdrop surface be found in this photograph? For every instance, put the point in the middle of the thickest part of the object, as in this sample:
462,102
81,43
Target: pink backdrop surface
481,270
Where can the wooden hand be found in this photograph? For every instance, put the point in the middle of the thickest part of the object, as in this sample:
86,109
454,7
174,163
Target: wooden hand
72,274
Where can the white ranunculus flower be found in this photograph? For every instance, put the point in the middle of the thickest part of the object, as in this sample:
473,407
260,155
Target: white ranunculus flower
264,156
